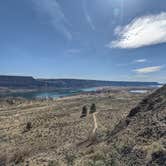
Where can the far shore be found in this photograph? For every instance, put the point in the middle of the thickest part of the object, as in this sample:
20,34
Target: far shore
4,92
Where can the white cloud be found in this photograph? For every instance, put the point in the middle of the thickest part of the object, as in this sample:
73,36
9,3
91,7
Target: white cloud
140,60
51,10
148,69
142,31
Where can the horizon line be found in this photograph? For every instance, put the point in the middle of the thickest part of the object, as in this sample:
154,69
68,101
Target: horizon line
71,78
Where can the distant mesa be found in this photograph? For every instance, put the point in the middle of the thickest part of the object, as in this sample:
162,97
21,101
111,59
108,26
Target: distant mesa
31,83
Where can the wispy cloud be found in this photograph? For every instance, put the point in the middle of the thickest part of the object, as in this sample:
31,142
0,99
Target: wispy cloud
140,60
133,62
73,51
51,10
88,17
148,69
142,31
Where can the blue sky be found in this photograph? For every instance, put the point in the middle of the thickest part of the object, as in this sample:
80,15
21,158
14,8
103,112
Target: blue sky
88,39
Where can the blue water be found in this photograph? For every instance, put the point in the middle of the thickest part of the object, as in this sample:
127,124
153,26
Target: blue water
58,94
89,89
51,94
139,91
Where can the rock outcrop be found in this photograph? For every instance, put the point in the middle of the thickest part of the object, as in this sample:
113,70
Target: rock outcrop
141,137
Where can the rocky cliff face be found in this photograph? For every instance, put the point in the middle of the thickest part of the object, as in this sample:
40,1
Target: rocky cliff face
18,82
30,82
142,135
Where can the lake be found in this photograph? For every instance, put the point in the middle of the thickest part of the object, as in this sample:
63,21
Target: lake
139,91
51,94
60,93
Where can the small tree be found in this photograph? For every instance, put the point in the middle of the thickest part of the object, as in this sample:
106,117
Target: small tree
92,108
28,126
84,111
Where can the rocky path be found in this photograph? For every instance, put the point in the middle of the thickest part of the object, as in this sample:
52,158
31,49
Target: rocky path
95,123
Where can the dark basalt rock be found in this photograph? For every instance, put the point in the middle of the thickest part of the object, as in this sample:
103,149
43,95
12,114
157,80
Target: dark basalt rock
158,158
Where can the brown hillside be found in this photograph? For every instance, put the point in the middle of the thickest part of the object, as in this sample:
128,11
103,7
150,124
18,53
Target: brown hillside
140,139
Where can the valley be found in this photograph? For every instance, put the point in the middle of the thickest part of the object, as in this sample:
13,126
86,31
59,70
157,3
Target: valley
51,132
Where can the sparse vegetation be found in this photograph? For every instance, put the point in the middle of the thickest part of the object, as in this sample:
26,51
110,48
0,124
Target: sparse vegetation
53,163
62,136
70,159
10,101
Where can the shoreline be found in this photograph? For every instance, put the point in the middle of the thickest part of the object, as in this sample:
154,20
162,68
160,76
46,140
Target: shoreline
69,93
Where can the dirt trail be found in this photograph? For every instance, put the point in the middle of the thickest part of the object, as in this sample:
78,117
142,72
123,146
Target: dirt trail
92,137
95,123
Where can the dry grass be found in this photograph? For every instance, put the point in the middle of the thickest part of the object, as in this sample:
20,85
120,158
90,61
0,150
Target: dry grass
52,133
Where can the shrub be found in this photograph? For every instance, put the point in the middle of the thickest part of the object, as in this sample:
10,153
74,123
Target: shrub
53,163
28,127
10,101
70,159
92,108
84,111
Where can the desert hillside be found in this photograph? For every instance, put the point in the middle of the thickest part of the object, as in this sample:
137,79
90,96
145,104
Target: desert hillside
141,136
51,132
